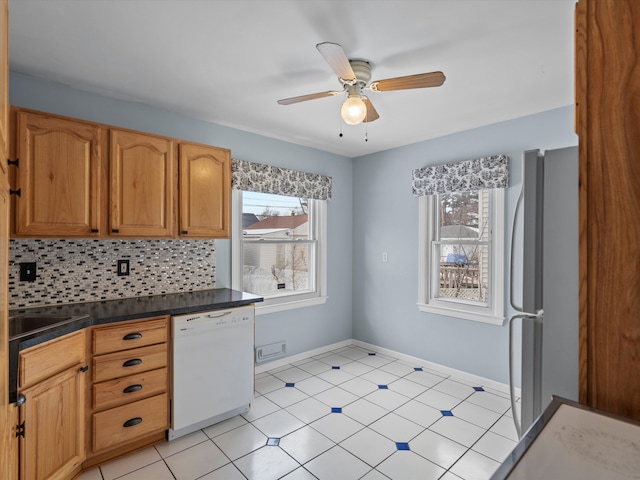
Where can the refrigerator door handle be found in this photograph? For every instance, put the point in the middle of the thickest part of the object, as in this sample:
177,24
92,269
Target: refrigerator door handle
517,308
536,317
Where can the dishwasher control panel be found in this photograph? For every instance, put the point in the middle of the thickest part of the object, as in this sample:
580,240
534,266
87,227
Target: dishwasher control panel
213,319
233,320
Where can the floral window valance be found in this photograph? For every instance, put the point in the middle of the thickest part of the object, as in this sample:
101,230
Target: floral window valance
467,176
257,177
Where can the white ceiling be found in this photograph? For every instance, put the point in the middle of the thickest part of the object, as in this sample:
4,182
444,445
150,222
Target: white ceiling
229,61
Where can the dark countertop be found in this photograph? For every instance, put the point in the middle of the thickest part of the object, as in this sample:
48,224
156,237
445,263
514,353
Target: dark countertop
110,311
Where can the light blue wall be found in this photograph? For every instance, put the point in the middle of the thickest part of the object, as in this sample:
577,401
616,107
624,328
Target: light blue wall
372,211
385,220
303,329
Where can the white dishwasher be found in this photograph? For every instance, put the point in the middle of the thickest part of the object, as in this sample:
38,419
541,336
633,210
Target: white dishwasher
212,368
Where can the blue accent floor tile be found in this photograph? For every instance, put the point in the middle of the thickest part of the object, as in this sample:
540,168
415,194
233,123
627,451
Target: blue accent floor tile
289,384
335,368
446,413
478,389
336,410
383,387
418,369
402,446
273,442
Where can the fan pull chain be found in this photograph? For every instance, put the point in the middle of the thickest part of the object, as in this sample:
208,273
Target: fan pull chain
366,133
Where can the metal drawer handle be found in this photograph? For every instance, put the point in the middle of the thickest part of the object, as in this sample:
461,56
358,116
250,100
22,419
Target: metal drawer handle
132,336
132,388
132,422
132,363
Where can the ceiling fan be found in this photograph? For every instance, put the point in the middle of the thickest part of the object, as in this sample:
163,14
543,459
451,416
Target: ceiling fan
354,76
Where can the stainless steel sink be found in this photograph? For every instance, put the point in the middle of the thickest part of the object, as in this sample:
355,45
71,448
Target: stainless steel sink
23,325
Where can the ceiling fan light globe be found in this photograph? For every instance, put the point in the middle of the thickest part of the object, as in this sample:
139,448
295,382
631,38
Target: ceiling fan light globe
353,110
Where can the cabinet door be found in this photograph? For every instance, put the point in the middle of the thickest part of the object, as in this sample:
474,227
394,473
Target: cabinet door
58,176
143,184
6,411
53,415
4,84
205,189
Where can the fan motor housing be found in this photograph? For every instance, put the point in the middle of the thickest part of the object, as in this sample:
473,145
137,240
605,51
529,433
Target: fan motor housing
362,69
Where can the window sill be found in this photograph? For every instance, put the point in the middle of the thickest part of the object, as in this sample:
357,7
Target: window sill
488,317
262,309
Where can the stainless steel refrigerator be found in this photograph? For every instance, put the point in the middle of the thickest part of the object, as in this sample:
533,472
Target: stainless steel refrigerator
546,302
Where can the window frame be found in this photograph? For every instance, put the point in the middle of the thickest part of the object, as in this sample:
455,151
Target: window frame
493,313
317,230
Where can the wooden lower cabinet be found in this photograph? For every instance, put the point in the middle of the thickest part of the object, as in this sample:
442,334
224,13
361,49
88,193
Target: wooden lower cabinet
126,423
129,394
51,421
53,443
13,454
65,425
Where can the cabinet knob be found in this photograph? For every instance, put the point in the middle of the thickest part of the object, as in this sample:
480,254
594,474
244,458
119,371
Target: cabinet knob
132,388
185,232
20,400
84,369
132,336
115,230
132,363
132,422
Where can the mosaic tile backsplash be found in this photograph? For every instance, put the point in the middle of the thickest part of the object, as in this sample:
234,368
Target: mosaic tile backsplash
71,271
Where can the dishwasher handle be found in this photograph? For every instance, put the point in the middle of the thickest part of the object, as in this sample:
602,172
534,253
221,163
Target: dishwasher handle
218,314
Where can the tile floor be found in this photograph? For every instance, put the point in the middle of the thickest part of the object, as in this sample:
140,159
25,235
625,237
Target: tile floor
346,414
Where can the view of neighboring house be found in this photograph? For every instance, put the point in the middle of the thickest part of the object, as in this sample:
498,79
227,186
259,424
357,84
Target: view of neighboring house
276,254
463,247
289,226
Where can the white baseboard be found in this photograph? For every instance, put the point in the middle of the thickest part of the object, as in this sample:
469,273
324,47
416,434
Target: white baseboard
468,377
471,378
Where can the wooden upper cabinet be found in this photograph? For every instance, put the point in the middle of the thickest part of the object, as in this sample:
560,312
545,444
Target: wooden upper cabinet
74,178
58,177
205,191
143,185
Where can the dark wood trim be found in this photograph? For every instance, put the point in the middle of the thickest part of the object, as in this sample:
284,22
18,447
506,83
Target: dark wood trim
608,123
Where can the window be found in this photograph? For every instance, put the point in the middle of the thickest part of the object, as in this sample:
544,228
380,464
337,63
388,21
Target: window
279,249
461,255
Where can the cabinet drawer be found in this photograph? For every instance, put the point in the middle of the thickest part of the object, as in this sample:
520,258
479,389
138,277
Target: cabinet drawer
129,389
143,417
128,362
43,361
131,335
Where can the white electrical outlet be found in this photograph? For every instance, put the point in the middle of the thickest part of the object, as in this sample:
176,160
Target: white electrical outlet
385,257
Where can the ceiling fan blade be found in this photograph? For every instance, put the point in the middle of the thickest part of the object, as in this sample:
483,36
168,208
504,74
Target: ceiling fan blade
421,80
372,113
304,98
337,60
